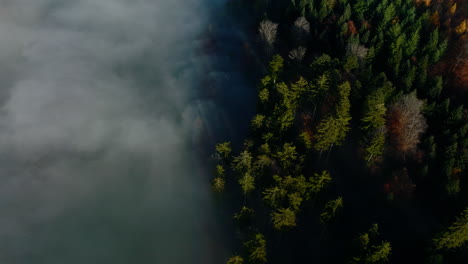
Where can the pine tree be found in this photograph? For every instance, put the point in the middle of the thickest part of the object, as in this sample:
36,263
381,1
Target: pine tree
295,201
284,218
372,251
244,217
379,253
375,110
328,133
247,182
258,121
257,249
235,260
332,130
275,67
331,209
456,235
375,147
218,184
287,156
274,196
224,149
320,181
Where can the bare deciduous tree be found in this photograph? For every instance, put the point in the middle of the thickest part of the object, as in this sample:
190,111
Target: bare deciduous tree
358,50
268,30
301,30
297,54
406,123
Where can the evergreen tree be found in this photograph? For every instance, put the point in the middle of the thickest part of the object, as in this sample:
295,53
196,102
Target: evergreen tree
287,156
235,260
456,235
256,248
224,149
218,184
284,218
331,209
276,67
332,130
319,181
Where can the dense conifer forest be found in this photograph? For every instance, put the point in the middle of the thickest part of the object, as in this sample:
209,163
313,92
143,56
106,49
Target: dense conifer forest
358,150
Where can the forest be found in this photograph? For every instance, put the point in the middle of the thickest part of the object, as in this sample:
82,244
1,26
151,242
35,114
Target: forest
358,151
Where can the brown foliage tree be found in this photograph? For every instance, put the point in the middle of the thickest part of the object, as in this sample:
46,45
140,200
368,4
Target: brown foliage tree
352,30
460,69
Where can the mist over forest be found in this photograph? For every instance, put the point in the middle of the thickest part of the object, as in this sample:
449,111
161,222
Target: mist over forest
100,127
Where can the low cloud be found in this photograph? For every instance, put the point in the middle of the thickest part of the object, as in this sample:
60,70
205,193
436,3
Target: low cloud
97,130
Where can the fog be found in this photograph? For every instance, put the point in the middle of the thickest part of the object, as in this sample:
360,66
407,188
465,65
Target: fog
100,123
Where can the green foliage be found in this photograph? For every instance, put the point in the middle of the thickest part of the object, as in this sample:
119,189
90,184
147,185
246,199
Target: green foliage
306,139
389,12
264,95
432,47
412,43
257,249
288,192
235,260
266,81
332,130
323,84
276,67
295,200
364,240
351,63
243,162
247,182
370,249
373,122
375,147
287,155
262,162
220,170
286,110
375,110
456,235
379,253
422,71
456,116
244,216
323,63
224,149
453,185
360,8
218,184
274,195
319,181
328,134
342,109
284,218
409,77
331,209
258,121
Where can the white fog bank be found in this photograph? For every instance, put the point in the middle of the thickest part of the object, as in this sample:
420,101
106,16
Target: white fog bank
96,129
